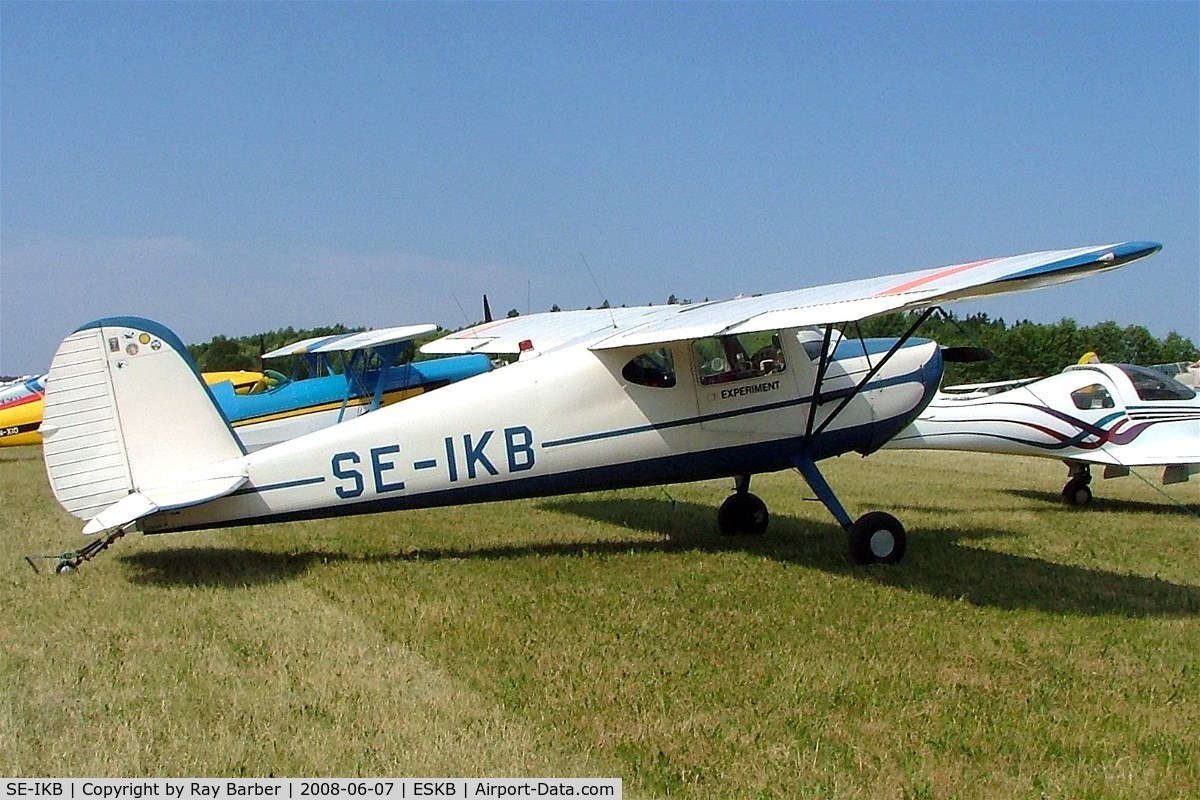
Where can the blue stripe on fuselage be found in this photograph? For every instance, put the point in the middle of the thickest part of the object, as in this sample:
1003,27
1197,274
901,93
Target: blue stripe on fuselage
911,377
722,462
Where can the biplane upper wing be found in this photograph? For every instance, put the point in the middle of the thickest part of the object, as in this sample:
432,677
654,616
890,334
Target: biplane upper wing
352,341
297,348
835,303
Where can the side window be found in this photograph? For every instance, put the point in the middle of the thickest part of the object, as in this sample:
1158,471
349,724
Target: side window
655,368
1093,396
812,348
722,359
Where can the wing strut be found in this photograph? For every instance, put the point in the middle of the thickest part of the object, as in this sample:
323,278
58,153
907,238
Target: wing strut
816,399
826,356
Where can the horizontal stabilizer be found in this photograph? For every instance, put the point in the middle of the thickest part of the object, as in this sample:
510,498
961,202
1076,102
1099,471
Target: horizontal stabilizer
162,498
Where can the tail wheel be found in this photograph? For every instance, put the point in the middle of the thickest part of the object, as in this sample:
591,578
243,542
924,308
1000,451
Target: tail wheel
877,538
743,514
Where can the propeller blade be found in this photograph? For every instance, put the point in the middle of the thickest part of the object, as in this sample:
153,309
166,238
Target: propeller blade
965,355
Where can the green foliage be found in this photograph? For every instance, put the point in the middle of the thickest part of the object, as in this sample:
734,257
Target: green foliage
1029,348
244,352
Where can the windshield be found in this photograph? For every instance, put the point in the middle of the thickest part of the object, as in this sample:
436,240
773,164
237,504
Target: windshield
1152,385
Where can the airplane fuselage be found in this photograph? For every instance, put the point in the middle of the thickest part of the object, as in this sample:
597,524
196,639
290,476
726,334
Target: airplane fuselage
560,422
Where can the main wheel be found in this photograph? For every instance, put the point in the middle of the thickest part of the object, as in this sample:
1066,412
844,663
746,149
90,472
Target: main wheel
877,538
1077,492
743,514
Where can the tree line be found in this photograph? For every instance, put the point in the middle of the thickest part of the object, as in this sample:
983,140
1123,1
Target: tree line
1023,349
1027,349
245,352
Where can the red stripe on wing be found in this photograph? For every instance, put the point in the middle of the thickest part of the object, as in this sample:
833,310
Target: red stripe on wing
942,273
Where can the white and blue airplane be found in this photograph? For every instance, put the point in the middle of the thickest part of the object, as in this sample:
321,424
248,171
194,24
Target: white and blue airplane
1114,416
596,399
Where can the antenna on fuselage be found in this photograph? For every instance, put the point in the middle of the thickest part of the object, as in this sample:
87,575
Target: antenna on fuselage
603,300
463,311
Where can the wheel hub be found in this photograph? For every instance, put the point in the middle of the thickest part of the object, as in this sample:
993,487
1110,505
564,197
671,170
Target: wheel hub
882,543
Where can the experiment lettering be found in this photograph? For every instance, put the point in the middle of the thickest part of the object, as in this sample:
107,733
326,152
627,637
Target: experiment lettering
755,388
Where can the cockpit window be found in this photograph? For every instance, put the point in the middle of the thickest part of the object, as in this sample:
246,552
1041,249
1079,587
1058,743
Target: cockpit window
655,368
1152,385
721,359
1093,396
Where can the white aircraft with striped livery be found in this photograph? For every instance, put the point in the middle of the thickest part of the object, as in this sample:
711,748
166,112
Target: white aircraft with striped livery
1112,416
597,399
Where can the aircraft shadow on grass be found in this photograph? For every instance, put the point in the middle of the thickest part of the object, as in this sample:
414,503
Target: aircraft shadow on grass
941,563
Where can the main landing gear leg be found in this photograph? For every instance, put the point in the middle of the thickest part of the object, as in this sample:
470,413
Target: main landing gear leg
874,538
742,513
1077,492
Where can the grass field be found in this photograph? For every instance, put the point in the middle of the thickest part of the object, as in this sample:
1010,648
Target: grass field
1021,650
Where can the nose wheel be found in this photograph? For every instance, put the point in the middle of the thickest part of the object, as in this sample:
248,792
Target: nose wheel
1077,492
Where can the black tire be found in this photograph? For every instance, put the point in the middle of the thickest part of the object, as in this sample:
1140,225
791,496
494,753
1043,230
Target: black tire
1077,492
743,514
877,538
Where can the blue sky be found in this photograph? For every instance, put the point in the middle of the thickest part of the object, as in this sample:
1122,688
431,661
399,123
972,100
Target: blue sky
228,168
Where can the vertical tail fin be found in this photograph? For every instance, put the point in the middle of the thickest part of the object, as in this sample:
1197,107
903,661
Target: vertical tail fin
125,412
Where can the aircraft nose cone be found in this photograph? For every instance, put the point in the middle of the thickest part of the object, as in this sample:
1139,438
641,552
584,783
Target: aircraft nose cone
931,378
919,371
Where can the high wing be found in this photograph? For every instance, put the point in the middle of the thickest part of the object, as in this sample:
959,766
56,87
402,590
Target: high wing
352,341
545,331
823,305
